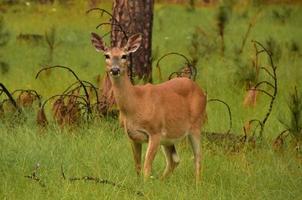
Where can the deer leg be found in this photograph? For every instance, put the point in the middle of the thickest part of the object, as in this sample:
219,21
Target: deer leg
172,160
137,152
153,144
194,138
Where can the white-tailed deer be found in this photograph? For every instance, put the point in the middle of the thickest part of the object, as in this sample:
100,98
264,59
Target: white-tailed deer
157,114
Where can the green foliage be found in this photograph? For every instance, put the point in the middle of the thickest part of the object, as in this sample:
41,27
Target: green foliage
4,38
295,106
274,47
294,47
102,150
4,34
51,41
222,17
294,121
245,75
192,5
4,67
282,15
202,45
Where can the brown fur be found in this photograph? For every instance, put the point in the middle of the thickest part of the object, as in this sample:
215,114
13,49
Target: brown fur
157,114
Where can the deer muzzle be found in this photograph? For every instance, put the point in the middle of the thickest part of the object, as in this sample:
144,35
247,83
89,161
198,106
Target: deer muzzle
115,71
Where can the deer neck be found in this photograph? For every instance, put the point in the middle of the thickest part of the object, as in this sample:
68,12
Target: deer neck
124,93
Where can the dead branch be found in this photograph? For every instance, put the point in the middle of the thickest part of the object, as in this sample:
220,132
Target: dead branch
10,97
34,176
268,72
115,22
30,95
191,67
266,83
275,83
259,123
263,91
79,80
68,90
98,180
63,114
229,112
279,140
41,118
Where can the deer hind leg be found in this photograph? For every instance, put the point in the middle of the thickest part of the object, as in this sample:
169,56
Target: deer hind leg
194,138
137,154
153,145
172,160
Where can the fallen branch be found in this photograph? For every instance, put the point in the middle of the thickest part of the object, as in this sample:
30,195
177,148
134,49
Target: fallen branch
33,176
98,180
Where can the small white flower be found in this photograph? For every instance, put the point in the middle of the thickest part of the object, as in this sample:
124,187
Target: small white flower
27,3
54,10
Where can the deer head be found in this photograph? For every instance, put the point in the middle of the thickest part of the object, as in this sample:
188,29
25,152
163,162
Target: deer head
116,57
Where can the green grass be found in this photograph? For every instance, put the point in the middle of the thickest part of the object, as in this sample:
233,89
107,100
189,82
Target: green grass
102,150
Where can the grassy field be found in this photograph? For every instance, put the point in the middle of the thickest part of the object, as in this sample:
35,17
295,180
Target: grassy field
102,150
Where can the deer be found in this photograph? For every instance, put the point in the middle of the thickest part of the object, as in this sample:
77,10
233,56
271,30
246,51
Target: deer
159,115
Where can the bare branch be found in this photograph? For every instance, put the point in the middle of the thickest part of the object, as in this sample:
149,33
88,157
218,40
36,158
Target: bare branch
263,91
12,100
229,112
192,68
99,180
264,82
79,80
268,72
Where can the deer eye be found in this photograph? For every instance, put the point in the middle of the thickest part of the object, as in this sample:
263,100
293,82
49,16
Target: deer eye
107,56
124,57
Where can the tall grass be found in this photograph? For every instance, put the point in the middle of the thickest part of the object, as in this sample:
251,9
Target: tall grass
102,150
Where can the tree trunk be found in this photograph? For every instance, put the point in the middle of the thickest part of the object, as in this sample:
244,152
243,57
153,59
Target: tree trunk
135,16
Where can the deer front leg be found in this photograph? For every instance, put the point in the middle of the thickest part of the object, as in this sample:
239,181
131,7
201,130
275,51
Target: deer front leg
153,144
137,152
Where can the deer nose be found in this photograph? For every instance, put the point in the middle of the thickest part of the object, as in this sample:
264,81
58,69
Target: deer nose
115,71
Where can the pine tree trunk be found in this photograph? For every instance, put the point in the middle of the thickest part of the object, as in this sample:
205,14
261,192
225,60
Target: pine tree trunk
135,16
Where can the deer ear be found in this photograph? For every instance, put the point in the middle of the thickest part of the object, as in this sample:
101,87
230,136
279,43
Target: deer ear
133,43
98,42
